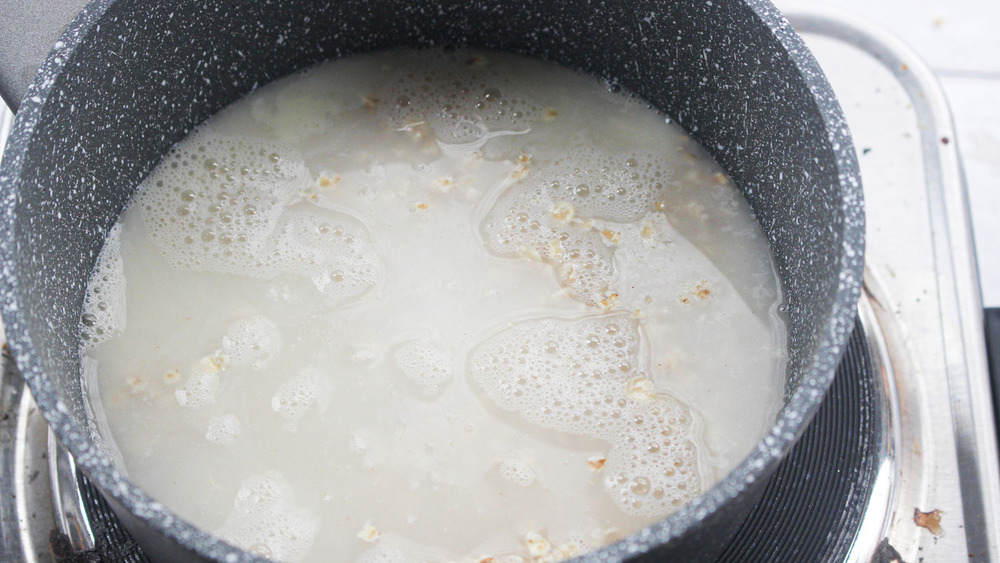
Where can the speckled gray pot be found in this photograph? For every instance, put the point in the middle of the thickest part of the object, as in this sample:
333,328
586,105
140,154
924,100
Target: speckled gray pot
130,78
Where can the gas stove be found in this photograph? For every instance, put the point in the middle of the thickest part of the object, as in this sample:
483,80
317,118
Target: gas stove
901,462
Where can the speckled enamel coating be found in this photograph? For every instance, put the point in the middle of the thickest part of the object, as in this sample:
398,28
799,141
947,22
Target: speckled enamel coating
130,78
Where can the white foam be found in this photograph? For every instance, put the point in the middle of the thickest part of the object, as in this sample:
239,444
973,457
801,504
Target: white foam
520,225
223,429
201,386
252,342
214,201
549,216
294,397
227,204
586,376
265,520
425,362
619,187
334,251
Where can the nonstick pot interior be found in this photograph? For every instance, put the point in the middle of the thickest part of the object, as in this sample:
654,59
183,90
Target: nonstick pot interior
130,78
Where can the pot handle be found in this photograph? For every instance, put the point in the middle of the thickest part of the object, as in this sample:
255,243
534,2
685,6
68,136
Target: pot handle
28,29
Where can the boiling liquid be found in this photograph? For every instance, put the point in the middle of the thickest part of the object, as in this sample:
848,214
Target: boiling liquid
429,305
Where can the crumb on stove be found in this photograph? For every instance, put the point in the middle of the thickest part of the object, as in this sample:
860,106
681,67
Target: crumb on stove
550,114
930,521
596,463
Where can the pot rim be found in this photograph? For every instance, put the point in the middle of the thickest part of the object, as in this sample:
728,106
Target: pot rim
791,421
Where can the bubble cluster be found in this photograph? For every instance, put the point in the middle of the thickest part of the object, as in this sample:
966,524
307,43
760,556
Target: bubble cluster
424,362
214,200
461,95
295,396
548,216
582,376
266,522
223,429
517,471
620,187
104,303
228,204
520,225
251,342
201,386
651,468
336,253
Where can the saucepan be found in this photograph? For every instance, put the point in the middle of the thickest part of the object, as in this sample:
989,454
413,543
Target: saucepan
129,78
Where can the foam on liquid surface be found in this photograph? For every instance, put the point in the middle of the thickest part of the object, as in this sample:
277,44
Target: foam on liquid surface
428,305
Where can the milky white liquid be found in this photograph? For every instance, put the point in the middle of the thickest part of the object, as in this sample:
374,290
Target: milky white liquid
427,305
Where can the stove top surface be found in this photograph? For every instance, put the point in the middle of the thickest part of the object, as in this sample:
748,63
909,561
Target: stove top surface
921,284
